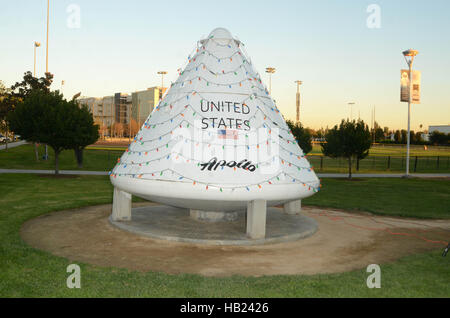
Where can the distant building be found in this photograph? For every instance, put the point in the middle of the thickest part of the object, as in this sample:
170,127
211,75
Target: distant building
143,102
102,109
440,128
122,107
107,111
122,103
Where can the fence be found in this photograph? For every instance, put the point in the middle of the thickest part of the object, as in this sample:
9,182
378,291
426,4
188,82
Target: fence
383,163
424,164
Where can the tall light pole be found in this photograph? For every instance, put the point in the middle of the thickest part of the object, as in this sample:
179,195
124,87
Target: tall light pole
48,17
409,58
270,70
36,45
351,109
297,101
162,73
46,62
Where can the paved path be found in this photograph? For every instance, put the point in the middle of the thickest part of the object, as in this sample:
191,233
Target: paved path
13,144
383,175
320,175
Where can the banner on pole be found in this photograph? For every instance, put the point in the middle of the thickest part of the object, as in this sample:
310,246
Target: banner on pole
404,86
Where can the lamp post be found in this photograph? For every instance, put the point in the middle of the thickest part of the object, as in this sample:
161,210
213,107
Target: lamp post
409,58
270,70
36,45
162,73
351,109
46,63
297,101
46,55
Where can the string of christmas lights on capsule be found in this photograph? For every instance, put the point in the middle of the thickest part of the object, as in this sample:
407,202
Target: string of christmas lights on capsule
208,185
182,114
193,93
179,155
255,78
220,73
209,144
162,147
229,85
204,66
202,99
200,46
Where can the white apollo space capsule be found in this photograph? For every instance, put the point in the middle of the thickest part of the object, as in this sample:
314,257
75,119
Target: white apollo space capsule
216,140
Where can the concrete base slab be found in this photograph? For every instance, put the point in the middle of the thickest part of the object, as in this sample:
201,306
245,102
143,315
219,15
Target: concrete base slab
175,224
213,216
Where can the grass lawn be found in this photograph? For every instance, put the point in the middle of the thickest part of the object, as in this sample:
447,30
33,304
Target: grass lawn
387,159
398,150
26,272
104,159
419,198
382,164
23,157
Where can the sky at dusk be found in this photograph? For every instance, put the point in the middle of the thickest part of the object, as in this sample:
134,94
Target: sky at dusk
120,45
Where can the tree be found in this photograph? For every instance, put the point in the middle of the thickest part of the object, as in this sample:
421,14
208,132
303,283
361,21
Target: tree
302,135
20,90
102,129
404,135
412,137
85,132
320,133
379,134
351,140
118,129
418,137
439,138
134,127
4,109
30,84
7,104
45,117
397,136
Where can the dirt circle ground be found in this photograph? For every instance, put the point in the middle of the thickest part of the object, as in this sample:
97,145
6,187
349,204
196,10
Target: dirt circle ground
343,242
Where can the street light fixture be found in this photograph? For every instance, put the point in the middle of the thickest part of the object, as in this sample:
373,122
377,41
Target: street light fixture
36,45
297,101
409,58
162,73
270,70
